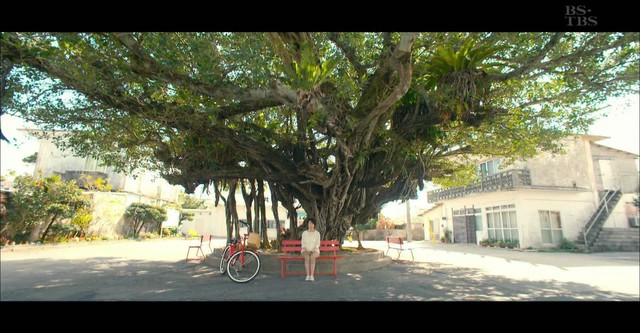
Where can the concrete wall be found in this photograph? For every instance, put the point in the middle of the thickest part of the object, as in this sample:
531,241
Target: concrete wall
381,234
150,185
623,165
619,216
575,209
560,170
434,217
108,214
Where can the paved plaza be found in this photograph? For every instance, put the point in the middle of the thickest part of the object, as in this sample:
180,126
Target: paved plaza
156,270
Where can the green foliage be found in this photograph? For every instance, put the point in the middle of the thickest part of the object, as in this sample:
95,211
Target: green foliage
43,202
371,225
446,238
62,232
82,221
185,216
31,158
308,74
567,245
141,214
512,243
187,201
147,235
170,232
341,122
461,174
98,184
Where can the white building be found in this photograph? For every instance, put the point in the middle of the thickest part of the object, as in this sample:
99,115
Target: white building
213,221
142,186
542,200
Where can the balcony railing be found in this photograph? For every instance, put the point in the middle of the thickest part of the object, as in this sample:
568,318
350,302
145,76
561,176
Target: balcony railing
500,181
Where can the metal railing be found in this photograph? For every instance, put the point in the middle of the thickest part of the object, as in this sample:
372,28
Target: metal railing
603,205
500,181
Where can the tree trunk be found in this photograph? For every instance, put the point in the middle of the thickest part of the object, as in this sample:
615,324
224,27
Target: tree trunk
263,216
231,205
256,209
360,247
138,229
35,233
46,231
248,200
276,216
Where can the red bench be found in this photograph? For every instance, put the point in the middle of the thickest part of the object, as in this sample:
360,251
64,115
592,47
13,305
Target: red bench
295,246
397,244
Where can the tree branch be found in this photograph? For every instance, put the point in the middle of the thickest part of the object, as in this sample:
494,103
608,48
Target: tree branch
145,65
349,53
395,70
531,63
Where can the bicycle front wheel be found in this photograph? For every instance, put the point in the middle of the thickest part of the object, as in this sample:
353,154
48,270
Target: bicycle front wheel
241,268
224,259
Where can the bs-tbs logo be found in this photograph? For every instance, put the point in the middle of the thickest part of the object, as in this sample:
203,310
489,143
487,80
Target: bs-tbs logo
576,16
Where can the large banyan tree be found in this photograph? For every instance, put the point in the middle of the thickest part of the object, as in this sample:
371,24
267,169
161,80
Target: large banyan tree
342,122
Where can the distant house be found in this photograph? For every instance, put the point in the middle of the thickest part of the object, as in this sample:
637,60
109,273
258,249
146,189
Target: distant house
584,194
142,186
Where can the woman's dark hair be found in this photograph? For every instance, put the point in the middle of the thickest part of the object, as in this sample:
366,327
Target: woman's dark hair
312,220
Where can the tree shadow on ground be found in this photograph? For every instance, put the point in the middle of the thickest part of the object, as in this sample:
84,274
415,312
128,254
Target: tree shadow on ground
112,278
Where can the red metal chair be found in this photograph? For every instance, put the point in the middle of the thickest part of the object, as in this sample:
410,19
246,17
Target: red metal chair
204,239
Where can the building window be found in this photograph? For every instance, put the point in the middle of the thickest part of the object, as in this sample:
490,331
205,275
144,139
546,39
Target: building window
477,212
91,164
550,227
502,223
489,168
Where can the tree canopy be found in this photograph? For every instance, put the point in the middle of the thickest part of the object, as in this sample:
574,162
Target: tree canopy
141,214
342,122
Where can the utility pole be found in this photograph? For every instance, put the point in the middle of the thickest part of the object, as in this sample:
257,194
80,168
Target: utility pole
408,221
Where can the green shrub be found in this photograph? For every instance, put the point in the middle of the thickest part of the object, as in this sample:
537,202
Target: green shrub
140,214
567,245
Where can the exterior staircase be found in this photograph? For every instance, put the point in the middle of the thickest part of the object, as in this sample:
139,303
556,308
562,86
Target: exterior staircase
617,239
592,229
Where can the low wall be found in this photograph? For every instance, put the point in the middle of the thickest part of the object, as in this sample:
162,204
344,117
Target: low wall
108,214
381,234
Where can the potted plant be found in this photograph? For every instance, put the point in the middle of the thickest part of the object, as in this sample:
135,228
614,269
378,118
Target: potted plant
447,236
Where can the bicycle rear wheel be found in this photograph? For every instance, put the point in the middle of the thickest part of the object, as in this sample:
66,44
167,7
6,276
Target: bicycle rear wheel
224,259
241,272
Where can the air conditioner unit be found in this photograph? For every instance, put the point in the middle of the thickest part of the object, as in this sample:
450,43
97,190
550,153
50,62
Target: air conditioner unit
633,221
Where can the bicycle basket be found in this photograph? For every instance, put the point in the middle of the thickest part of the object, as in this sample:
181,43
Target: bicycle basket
254,241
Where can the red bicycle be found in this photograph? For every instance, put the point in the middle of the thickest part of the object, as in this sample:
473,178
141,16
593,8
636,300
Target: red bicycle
239,262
